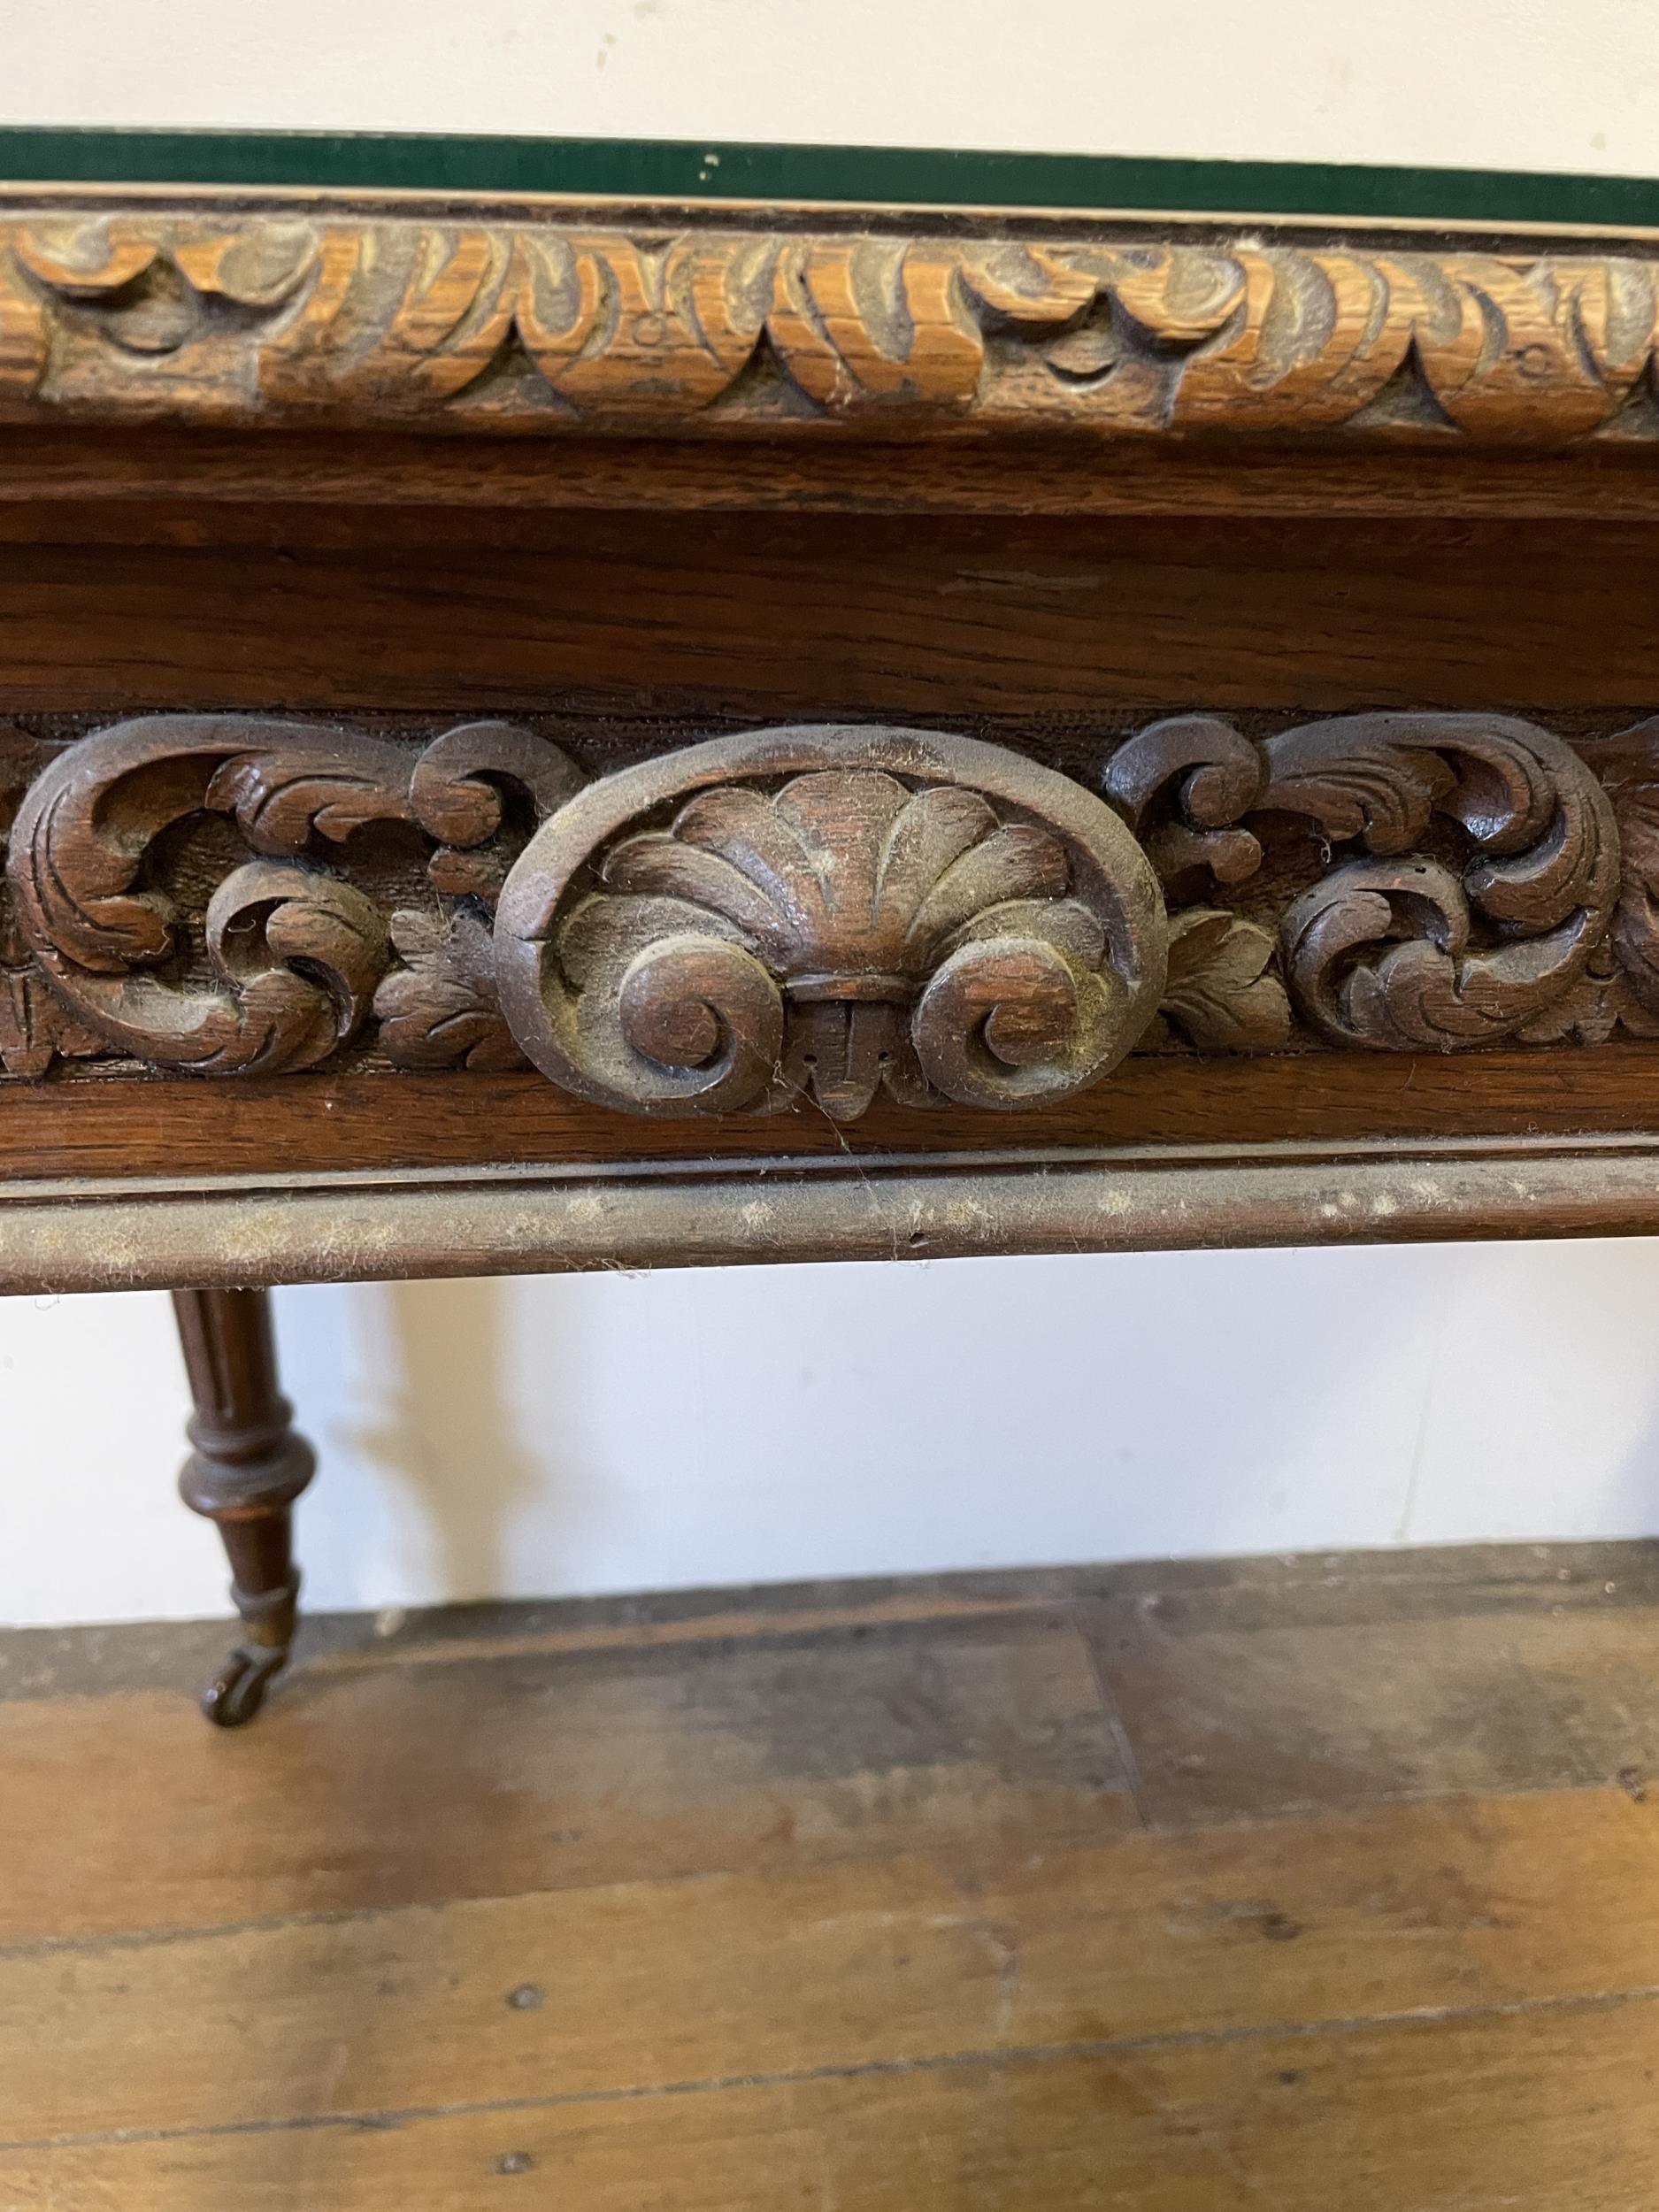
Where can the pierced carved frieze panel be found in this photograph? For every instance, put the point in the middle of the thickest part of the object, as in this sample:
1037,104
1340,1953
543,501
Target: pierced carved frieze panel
550,327
823,913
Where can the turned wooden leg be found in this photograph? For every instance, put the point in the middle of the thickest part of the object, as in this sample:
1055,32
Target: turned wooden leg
247,1469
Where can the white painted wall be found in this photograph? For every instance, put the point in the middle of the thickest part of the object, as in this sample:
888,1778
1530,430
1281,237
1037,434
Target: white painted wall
513,1437
1531,84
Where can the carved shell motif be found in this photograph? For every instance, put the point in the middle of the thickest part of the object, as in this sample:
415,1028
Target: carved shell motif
830,912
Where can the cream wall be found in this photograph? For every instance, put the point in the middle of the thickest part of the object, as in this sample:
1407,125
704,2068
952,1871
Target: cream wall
1538,84
614,1433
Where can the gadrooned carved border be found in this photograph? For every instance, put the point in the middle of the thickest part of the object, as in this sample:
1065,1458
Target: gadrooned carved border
829,911
549,325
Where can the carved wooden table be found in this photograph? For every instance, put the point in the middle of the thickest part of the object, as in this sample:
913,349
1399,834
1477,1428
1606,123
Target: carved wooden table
549,737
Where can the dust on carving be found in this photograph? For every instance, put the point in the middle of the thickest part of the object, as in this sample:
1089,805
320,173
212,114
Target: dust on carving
550,325
825,912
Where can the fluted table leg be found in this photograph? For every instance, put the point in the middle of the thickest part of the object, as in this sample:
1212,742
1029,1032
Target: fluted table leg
246,1470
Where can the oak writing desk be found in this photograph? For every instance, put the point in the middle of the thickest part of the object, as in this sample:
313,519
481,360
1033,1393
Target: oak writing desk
544,736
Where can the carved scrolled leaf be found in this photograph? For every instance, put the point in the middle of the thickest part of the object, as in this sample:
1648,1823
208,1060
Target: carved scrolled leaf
440,1009
830,909
1538,816
701,1008
296,956
303,952
36,1028
1022,1009
77,850
307,784
1635,930
460,791
1430,988
1636,924
1222,995
665,1005
821,914
1184,786
1384,952
1627,764
1601,1003
293,951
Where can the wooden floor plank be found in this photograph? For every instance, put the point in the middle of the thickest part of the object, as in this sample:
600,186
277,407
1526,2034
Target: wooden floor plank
378,1786
840,1898
1398,2118
1257,1710
1418,1583
652,1985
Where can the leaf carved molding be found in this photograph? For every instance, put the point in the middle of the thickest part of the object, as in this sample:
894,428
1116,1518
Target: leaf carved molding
825,913
550,325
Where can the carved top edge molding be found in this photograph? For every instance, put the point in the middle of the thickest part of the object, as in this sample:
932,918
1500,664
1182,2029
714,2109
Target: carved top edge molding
411,322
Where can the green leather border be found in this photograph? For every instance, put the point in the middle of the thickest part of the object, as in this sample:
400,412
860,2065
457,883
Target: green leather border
681,170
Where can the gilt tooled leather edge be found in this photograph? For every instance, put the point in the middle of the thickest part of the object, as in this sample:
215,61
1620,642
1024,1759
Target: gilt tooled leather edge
543,325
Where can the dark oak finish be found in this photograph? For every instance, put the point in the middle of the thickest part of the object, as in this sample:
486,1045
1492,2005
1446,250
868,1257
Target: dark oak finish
823,911
107,1125
688,621
625,736
76,478
245,1469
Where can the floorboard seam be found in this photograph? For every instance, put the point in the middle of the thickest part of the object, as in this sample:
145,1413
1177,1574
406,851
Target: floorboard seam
1024,2055
1076,1613
1624,1784
675,1636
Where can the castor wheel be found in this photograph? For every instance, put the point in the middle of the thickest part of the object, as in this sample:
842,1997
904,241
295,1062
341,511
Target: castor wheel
237,1691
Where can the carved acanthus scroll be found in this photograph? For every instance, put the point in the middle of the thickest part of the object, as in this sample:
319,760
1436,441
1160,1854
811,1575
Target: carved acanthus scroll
550,326
826,913
1382,949
1401,945
293,949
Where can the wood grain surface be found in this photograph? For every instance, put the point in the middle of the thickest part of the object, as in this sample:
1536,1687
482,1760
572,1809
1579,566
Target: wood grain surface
1507,2114
985,1890
55,463
774,616
103,1125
